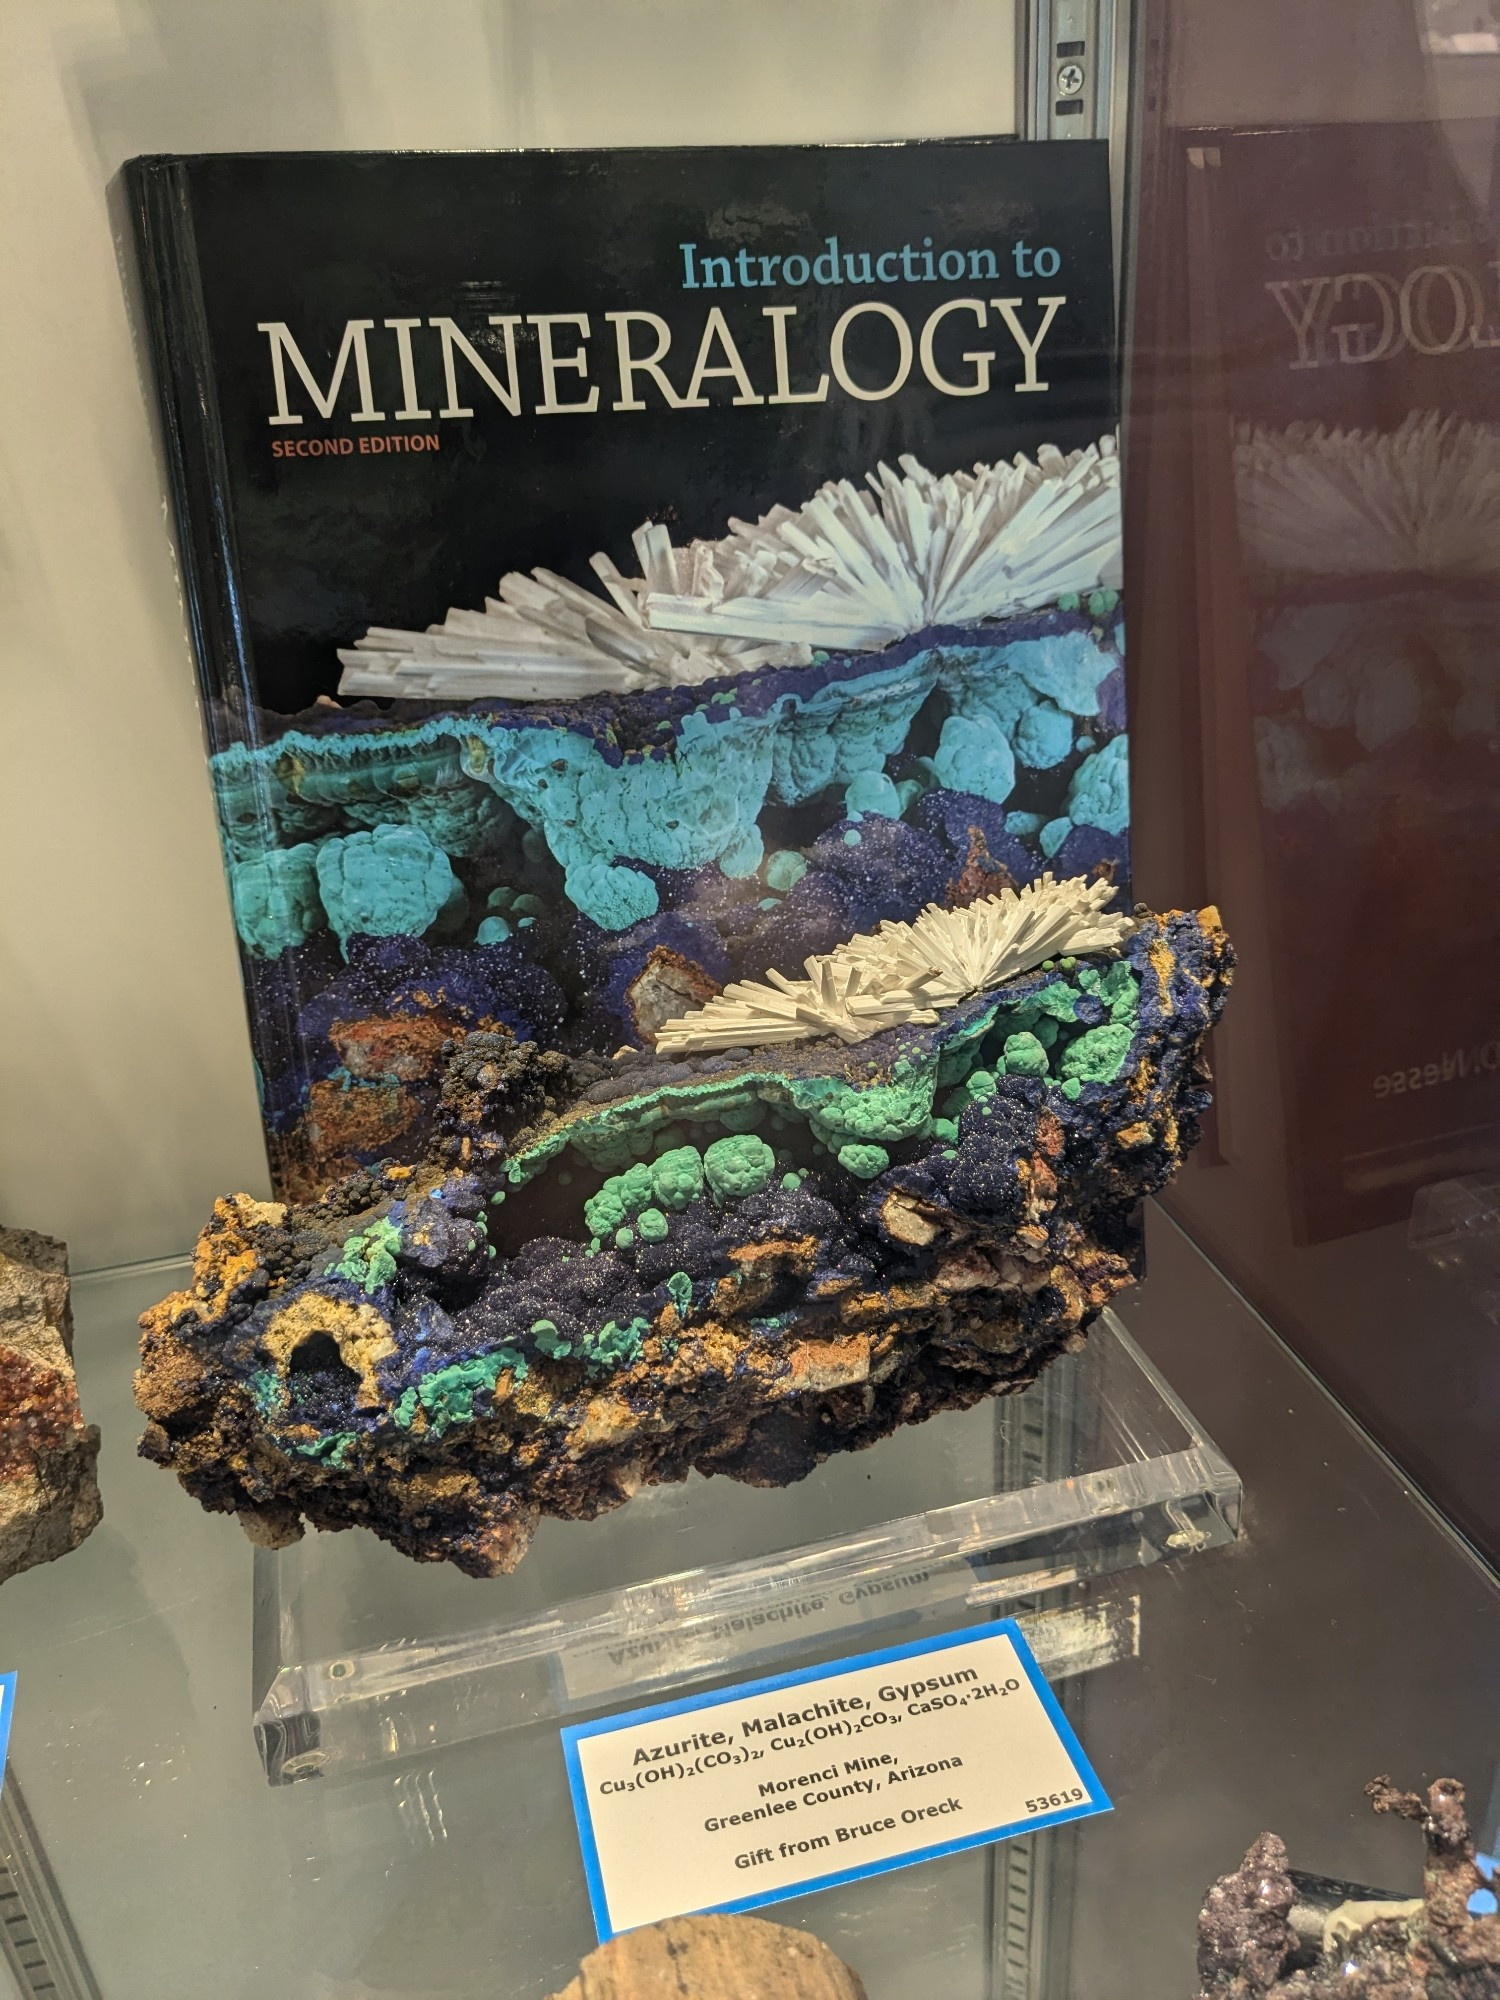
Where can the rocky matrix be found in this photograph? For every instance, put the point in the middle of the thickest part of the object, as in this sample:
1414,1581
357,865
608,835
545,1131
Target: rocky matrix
714,1958
49,1501
1266,1933
608,1272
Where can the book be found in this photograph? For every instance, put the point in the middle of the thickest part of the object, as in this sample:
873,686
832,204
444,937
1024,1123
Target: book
618,574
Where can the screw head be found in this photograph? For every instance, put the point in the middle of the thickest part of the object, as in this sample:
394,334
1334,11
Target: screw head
1070,79
305,1765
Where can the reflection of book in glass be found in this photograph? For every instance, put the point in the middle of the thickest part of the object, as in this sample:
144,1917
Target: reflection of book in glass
1461,27
1343,295
1375,699
1455,1225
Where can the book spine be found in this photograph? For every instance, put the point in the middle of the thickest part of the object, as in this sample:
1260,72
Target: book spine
171,297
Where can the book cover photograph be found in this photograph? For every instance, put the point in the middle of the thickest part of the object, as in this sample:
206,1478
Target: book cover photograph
662,656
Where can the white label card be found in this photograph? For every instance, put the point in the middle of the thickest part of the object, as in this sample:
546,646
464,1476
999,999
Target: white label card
747,1796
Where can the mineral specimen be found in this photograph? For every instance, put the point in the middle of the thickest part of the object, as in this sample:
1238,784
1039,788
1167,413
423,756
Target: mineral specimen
714,1958
603,1272
904,971
49,1501
615,790
1271,1933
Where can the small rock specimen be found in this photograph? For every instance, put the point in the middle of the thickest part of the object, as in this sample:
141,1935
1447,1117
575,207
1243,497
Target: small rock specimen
713,1958
605,1273
1268,1933
49,1501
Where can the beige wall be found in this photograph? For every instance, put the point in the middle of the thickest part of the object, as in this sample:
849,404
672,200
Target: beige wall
126,1097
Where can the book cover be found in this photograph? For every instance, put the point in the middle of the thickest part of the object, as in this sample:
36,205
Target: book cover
615,575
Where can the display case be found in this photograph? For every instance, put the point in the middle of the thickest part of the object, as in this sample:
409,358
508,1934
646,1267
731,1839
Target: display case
1256,1683
828,1001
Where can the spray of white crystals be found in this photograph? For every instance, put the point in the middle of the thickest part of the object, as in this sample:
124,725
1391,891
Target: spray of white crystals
906,972
852,569
1423,499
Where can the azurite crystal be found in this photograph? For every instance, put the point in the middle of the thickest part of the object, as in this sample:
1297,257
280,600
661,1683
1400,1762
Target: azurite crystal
607,1273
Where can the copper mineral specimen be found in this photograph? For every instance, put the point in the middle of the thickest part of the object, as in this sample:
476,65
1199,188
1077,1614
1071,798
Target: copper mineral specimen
49,1501
604,1272
1270,1933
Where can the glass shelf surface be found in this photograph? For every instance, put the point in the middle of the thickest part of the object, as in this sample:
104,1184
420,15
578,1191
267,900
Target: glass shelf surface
1257,1683
362,1655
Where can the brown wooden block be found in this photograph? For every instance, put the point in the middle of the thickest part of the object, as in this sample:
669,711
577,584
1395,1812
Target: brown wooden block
714,1958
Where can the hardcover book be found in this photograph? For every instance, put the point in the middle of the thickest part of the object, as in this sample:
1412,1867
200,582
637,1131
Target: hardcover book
615,575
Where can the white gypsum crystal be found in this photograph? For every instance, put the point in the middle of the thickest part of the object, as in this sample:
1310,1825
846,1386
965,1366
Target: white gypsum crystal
904,972
851,569
950,954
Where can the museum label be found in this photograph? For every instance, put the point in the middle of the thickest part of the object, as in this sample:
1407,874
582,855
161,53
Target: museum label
752,1794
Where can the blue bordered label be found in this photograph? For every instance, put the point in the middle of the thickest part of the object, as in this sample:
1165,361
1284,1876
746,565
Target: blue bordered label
7,1703
775,1788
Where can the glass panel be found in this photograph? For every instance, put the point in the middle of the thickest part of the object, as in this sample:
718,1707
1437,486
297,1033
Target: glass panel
1313,555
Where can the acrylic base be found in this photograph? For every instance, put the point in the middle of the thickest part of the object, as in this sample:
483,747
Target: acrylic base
362,1656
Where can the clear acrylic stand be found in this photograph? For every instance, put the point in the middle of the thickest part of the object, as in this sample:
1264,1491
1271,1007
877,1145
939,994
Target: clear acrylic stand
362,1656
